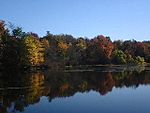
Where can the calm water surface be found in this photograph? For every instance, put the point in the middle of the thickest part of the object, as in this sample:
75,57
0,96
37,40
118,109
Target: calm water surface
123,91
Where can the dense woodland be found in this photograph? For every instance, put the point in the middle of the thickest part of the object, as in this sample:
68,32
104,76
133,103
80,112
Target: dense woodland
26,49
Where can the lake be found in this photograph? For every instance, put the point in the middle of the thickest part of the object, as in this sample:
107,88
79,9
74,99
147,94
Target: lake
108,91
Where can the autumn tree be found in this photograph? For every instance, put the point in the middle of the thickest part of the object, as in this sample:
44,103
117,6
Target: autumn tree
100,48
19,49
80,47
33,51
133,47
147,51
62,50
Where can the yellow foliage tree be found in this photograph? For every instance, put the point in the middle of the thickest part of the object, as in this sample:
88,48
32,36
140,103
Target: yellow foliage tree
62,48
33,51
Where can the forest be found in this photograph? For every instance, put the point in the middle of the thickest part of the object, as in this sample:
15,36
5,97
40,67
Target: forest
19,49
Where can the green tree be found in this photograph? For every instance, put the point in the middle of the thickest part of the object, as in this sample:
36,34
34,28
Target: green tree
139,60
9,48
118,57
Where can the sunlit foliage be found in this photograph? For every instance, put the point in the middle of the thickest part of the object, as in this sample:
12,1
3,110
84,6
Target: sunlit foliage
21,49
33,51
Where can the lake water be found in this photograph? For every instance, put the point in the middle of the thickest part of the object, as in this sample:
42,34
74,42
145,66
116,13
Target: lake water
125,91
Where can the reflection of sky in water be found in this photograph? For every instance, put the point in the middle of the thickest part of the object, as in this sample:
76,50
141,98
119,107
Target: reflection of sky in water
124,100
118,92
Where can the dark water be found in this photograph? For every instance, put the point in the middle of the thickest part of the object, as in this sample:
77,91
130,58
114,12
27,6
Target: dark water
124,91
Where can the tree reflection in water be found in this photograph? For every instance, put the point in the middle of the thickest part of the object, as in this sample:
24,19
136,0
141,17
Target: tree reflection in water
20,90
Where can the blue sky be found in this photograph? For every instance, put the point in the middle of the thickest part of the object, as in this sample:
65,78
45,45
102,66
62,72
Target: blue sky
119,19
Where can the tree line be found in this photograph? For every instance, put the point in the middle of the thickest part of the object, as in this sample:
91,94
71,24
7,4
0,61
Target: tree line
27,49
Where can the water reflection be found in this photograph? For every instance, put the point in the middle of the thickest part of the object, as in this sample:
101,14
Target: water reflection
19,90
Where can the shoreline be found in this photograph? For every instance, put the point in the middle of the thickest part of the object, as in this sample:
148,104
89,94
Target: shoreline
79,68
